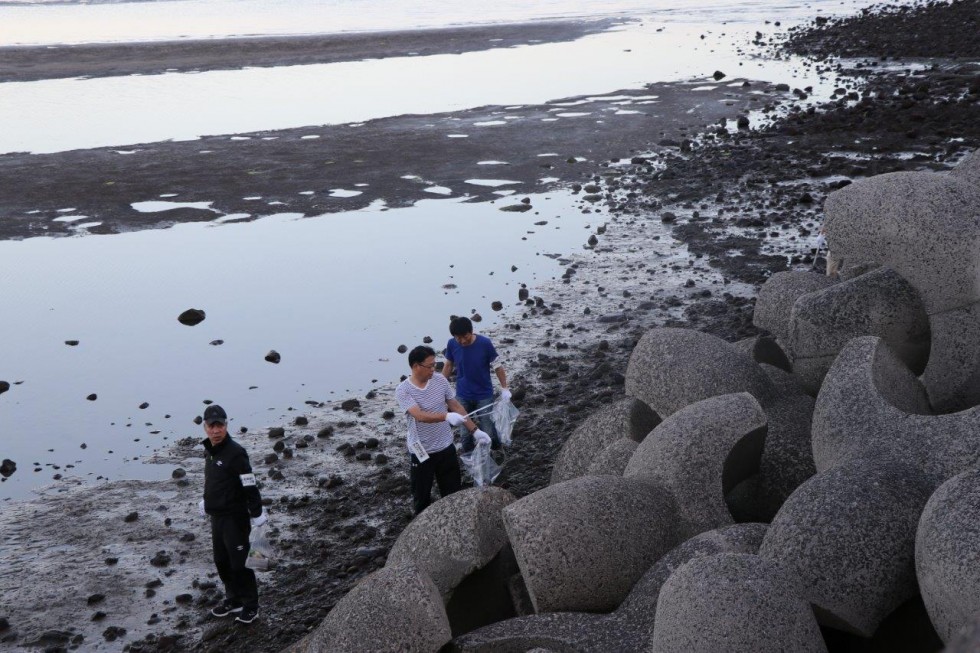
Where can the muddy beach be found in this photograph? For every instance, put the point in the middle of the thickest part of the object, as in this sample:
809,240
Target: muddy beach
665,206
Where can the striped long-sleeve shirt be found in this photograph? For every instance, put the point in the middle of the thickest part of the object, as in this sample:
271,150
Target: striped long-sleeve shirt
432,399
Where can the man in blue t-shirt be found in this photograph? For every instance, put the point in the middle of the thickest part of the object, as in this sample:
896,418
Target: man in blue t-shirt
472,357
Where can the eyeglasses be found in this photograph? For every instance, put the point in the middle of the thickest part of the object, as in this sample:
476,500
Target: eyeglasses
428,367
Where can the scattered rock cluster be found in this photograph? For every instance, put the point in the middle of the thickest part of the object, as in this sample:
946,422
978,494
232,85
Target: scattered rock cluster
719,506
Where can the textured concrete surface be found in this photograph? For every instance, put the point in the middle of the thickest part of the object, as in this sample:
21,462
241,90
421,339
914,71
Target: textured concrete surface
627,418
613,459
968,169
673,368
454,536
732,603
871,405
777,296
582,544
947,554
880,303
630,627
699,454
952,376
924,225
393,609
849,533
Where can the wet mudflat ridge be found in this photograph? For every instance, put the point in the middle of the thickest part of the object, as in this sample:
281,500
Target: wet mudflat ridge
758,193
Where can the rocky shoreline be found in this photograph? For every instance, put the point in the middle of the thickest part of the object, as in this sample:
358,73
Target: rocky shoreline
756,192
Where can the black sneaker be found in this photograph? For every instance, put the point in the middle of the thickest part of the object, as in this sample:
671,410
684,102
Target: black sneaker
248,615
225,608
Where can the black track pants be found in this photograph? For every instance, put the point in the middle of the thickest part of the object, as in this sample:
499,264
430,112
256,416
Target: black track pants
443,467
229,538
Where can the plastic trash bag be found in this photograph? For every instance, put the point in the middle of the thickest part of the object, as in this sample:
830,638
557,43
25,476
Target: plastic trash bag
504,416
480,465
261,557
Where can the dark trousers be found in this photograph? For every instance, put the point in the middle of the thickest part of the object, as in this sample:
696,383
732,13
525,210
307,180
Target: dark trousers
229,539
441,466
484,422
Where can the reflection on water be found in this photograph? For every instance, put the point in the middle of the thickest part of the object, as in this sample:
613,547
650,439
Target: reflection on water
335,295
66,114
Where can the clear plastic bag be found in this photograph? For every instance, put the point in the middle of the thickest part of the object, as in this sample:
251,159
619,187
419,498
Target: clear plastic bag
504,416
480,465
261,557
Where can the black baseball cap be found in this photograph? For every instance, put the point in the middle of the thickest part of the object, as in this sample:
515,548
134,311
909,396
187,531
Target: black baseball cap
215,413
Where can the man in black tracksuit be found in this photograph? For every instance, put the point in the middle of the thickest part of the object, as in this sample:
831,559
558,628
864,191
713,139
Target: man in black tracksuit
232,500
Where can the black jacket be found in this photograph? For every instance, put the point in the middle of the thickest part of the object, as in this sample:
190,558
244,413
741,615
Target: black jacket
229,486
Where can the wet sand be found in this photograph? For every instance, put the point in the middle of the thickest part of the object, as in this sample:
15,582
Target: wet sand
29,63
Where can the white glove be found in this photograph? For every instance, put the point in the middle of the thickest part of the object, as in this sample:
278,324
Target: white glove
200,508
455,419
505,394
481,437
261,519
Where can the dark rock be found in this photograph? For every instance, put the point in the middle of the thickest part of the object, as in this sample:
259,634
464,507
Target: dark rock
325,432
99,616
273,357
497,306
279,446
350,405
668,217
402,349
215,343
271,458
363,456
388,414
92,397
718,75
180,472
183,598
287,452
381,459
191,316
806,198
111,561
7,467
301,421
71,343
144,405
476,317
96,598
372,443
593,240
161,559
742,122
131,517
516,208
198,420
523,294
277,432
112,633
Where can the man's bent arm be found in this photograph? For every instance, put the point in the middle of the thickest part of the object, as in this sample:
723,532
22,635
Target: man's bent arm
501,376
447,370
427,417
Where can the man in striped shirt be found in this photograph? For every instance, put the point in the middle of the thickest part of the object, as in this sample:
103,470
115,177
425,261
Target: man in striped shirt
431,410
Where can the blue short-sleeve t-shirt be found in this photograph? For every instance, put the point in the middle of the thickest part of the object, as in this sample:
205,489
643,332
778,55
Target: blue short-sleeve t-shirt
472,365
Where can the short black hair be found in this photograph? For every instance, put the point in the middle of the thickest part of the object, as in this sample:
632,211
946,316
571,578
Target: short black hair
461,326
419,354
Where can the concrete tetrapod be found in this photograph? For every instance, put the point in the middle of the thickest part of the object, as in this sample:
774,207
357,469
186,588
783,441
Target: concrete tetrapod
629,628
849,533
699,454
454,536
775,302
947,554
582,544
732,603
926,227
613,459
627,418
673,368
871,405
880,303
392,609
968,169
